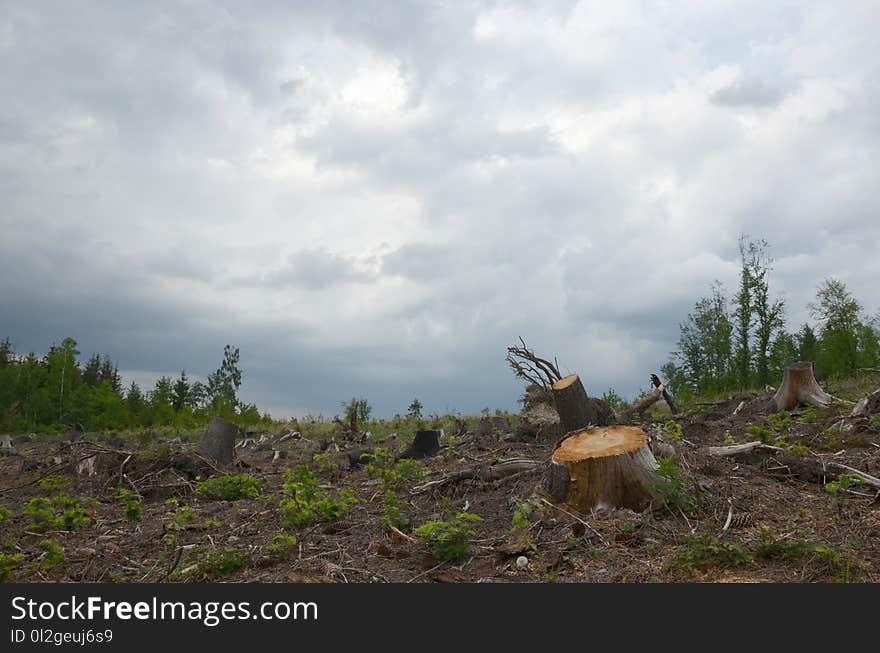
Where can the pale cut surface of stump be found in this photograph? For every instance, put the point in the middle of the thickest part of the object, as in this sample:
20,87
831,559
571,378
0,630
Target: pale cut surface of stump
604,467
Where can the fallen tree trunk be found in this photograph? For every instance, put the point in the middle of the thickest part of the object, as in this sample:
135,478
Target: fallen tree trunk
733,450
577,410
605,467
486,473
799,386
625,416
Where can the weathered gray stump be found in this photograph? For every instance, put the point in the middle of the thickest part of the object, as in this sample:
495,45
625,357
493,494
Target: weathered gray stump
425,445
218,443
799,386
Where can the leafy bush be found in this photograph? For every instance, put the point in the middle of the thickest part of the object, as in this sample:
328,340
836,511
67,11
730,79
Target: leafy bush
180,516
5,514
60,512
449,539
671,431
231,488
55,483
54,554
8,562
131,504
670,488
324,464
306,503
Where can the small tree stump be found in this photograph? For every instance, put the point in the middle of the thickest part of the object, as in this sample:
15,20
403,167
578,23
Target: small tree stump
799,386
218,443
604,467
425,445
577,410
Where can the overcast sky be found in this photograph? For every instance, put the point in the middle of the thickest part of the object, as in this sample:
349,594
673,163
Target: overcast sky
376,198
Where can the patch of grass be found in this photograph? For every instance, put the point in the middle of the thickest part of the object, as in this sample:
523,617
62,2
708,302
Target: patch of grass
5,514
306,503
704,551
131,504
60,512
231,488
810,416
670,489
282,545
54,555
448,539
769,547
8,563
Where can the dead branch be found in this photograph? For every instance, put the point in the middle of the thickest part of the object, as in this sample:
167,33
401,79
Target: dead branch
740,449
484,473
528,366
655,380
625,416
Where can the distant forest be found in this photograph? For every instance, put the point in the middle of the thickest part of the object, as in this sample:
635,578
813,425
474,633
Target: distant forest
58,392
740,343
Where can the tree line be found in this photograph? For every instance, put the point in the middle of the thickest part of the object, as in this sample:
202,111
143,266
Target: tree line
742,342
57,391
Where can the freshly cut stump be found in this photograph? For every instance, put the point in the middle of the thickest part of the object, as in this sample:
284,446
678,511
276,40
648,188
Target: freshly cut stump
604,467
799,386
576,409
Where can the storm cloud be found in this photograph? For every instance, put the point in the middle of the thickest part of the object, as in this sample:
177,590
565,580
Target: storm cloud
375,199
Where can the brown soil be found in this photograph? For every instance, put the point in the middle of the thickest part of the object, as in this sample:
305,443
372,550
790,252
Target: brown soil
784,524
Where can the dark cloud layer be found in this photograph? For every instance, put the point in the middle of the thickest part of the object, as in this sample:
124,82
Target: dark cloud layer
374,199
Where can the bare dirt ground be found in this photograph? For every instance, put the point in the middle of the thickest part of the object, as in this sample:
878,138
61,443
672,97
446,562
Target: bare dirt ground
782,522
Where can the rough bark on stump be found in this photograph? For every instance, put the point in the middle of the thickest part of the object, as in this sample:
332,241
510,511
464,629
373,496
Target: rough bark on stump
799,386
425,445
218,443
604,467
577,410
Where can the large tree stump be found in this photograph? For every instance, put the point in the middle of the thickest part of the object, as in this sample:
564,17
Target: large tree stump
577,410
799,386
218,443
425,445
604,467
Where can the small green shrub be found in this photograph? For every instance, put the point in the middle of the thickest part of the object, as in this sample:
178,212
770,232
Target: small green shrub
60,512
325,465
769,547
448,539
760,433
810,416
131,504
306,503
55,483
671,431
282,545
54,554
5,514
8,562
392,510
179,516
670,489
231,488
220,563
394,474
780,421
705,551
